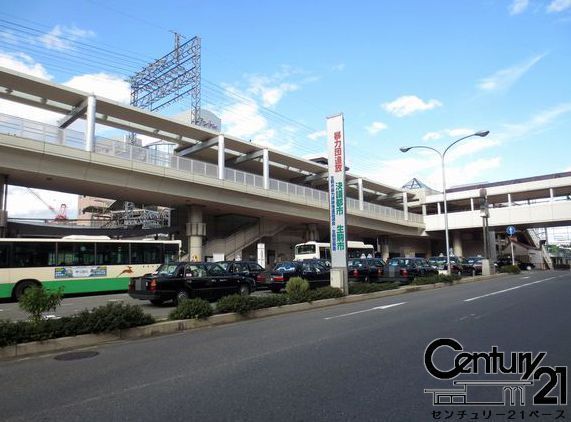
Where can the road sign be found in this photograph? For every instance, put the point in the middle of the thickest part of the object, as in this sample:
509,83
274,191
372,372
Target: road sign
510,230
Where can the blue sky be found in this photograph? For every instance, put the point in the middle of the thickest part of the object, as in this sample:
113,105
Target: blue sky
402,72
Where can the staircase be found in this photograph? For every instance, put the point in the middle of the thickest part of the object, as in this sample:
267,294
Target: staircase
241,239
546,257
536,240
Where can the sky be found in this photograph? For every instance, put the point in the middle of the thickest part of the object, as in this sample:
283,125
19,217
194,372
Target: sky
403,72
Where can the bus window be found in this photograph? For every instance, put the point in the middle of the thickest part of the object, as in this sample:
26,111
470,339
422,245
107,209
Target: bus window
84,254
146,253
4,255
171,253
112,253
33,254
69,253
324,252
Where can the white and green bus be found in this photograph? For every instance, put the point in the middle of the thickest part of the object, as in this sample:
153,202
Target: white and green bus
79,264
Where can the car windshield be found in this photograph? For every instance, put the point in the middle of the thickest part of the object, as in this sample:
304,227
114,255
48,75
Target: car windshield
284,267
474,260
224,265
166,269
356,263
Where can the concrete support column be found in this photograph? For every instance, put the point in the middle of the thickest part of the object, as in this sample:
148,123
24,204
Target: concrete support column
266,168
384,244
90,127
438,206
457,243
551,194
195,231
424,210
509,199
311,232
221,158
405,205
361,196
472,204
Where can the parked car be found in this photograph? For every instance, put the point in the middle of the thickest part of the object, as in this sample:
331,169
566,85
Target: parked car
312,270
507,260
182,280
365,269
250,269
439,263
472,265
405,270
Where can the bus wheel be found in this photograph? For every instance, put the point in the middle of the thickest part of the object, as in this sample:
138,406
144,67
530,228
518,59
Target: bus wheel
22,286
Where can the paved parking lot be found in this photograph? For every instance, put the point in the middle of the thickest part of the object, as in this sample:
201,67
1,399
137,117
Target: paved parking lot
72,305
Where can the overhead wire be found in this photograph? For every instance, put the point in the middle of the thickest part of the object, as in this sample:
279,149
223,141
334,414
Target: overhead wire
128,64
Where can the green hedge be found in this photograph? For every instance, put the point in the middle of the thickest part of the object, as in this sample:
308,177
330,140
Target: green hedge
111,317
245,304
360,288
513,269
440,278
196,308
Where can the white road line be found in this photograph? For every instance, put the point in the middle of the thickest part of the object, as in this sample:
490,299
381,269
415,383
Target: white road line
376,308
523,278
507,290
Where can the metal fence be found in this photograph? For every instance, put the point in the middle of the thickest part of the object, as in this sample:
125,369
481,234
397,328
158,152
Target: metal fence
42,132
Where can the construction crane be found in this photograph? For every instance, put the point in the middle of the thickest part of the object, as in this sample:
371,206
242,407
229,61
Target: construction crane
59,215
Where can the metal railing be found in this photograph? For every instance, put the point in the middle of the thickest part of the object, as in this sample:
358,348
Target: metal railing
42,132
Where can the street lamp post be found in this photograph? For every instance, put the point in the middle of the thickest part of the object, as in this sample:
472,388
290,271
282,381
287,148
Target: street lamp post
442,156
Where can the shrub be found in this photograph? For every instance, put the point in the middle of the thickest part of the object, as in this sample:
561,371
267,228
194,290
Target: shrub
360,288
191,309
297,290
513,269
234,303
261,302
37,300
327,292
440,278
110,317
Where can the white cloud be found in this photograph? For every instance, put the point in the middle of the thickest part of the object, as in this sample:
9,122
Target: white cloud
340,67
23,63
409,104
102,84
534,125
452,133
558,6
505,78
316,135
271,89
62,37
376,127
518,6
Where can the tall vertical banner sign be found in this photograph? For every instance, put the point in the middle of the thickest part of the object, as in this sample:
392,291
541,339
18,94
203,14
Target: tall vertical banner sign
337,208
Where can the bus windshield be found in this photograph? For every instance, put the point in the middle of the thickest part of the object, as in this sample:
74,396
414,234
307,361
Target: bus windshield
304,249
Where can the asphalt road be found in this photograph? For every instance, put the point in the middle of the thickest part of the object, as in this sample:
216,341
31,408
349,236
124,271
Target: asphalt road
353,362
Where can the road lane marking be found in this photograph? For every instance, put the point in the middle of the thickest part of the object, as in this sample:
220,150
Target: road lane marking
523,278
376,308
511,288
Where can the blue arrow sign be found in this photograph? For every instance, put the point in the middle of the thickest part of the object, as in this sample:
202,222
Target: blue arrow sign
510,230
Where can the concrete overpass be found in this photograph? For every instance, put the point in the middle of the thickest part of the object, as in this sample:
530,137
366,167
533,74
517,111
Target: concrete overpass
210,174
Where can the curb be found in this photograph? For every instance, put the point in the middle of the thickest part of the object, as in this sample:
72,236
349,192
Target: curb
170,327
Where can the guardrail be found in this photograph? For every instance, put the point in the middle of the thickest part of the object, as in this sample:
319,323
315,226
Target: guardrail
42,132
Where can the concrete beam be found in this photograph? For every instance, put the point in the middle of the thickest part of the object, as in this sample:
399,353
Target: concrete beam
246,157
198,147
74,114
